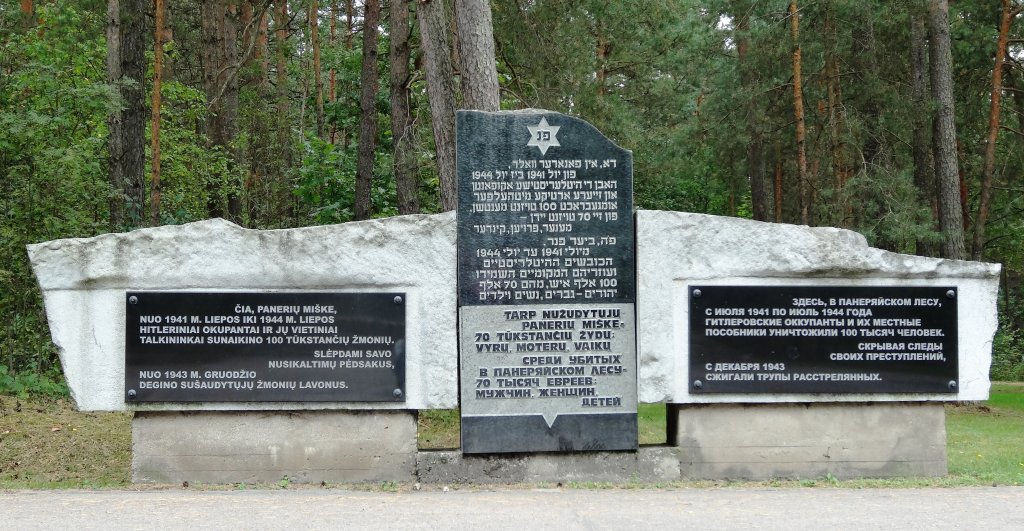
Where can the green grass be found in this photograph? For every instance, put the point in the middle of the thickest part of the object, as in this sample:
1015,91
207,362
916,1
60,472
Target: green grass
985,443
45,443
438,429
651,418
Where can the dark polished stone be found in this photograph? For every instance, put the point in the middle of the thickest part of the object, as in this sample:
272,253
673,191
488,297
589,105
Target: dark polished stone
823,339
547,285
264,347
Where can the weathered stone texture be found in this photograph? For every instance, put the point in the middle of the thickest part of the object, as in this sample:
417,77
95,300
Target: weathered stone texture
764,441
677,249
249,447
84,281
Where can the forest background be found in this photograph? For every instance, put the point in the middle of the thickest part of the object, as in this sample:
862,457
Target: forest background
900,119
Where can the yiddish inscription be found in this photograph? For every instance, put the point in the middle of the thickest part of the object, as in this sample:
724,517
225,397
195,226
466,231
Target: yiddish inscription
829,339
242,346
546,285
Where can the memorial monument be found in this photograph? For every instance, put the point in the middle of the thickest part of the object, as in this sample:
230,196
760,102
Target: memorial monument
778,350
546,285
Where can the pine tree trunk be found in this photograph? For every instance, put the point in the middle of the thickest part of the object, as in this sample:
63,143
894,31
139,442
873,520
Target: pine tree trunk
841,170
978,243
946,166
258,153
798,111
331,93
866,62
115,124
284,126
367,111
126,68
262,52
476,55
230,109
350,9
755,139
601,52
921,141
318,84
212,14
433,25
402,129
26,12
778,185
220,82
158,63
213,48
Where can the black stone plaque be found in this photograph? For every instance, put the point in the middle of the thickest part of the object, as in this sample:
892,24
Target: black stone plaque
264,347
545,211
823,339
546,285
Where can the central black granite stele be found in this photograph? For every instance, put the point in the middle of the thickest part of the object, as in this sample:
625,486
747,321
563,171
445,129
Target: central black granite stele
547,285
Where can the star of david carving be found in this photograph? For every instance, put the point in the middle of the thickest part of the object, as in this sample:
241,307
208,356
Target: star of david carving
543,136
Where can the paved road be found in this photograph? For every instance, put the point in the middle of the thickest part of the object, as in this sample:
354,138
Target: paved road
634,510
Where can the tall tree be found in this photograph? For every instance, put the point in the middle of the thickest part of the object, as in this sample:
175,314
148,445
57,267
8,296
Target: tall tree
985,193
331,91
158,64
755,139
479,72
402,129
318,84
26,12
798,113
284,126
220,82
127,150
367,111
437,60
841,167
921,138
947,171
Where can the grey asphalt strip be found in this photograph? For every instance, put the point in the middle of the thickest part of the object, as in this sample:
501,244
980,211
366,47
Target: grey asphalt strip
790,509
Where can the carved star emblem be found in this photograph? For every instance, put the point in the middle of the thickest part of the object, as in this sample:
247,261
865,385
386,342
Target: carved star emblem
543,136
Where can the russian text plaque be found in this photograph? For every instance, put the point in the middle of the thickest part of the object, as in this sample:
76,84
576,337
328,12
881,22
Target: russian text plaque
823,339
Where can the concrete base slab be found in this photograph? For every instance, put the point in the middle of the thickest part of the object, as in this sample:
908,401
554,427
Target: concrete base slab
249,447
648,465
764,441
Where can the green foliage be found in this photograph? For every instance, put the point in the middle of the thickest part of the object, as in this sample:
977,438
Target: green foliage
32,383
664,78
326,181
1008,345
188,167
53,108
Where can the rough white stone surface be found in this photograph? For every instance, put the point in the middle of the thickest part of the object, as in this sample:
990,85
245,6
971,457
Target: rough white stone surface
84,280
675,250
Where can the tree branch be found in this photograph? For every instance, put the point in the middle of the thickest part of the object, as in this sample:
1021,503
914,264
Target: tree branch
234,68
